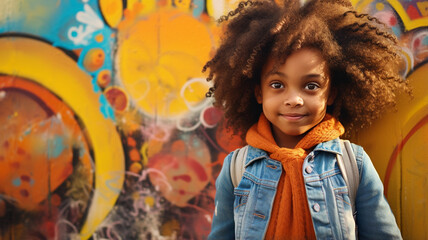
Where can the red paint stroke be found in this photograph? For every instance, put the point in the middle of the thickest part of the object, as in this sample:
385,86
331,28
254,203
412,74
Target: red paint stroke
212,115
199,169
413,12
183,177
397,150
163,161
392,21
21,151
25,178
117,98
50,227
417,43
15,165
24,192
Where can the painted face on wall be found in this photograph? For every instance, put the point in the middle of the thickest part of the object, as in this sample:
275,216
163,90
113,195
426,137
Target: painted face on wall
294,95
181,170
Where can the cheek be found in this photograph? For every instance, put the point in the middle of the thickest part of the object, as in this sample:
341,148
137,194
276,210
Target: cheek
273,98
272,104
324,99
319,105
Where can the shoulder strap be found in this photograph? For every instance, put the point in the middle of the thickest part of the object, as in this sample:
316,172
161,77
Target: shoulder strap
237,165
348,167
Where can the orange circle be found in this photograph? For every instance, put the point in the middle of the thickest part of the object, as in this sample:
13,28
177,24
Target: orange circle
117,98
135,167
31,190
94,59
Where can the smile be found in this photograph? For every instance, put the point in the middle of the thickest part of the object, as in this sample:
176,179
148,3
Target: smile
293,117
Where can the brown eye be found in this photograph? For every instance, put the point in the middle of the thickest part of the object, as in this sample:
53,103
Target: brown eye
312,86
276,85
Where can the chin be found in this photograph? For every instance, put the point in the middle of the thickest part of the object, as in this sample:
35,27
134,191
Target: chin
297,132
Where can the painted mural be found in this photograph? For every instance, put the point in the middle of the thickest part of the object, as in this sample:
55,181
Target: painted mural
106,133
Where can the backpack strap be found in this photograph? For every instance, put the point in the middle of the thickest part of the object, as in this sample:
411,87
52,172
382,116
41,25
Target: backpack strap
237,165
348,166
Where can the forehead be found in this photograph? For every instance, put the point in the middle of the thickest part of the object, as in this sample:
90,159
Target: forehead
302,60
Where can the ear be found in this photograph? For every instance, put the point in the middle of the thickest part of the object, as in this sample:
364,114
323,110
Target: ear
331,96
258,94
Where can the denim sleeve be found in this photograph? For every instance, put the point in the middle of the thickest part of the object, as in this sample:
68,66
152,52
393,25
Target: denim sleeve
223,225
375,219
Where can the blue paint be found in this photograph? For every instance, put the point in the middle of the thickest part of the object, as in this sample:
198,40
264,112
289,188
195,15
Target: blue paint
95,86
200,5
105,108
74,34
16,182
185,137
397,31
42,123
110,112
55,147
28,131
425,40
53,23
82,150
110,184
196,142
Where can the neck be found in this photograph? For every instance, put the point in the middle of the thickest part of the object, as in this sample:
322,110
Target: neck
286,141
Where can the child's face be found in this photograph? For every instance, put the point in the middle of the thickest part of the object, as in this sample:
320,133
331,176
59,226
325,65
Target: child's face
295,95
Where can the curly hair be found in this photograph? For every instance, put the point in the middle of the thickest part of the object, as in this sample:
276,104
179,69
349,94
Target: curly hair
363,57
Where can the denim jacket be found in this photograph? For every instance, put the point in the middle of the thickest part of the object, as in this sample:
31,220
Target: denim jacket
244,212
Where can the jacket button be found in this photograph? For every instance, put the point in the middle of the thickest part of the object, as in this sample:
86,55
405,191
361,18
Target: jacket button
308,169
311,158
316,207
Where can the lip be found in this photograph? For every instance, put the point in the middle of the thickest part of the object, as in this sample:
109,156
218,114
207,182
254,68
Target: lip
293,116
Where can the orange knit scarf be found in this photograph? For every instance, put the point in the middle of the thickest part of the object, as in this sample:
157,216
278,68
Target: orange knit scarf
290,216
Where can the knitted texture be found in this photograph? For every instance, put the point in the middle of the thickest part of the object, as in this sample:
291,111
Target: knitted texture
290,216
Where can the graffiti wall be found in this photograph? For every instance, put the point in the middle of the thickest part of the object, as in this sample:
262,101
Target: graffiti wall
398,143
106,133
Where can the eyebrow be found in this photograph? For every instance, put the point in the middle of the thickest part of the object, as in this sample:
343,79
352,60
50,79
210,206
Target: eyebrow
310,75
273,72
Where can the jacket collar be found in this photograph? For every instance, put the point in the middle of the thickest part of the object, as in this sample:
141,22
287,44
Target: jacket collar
255,154
332,146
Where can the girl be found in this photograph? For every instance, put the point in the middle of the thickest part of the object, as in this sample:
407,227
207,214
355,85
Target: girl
290,78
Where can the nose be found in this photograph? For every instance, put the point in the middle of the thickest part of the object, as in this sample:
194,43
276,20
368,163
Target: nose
293,100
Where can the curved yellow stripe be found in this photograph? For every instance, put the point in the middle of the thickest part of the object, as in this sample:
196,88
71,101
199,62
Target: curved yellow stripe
354,2
57,72
409,24
112,11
